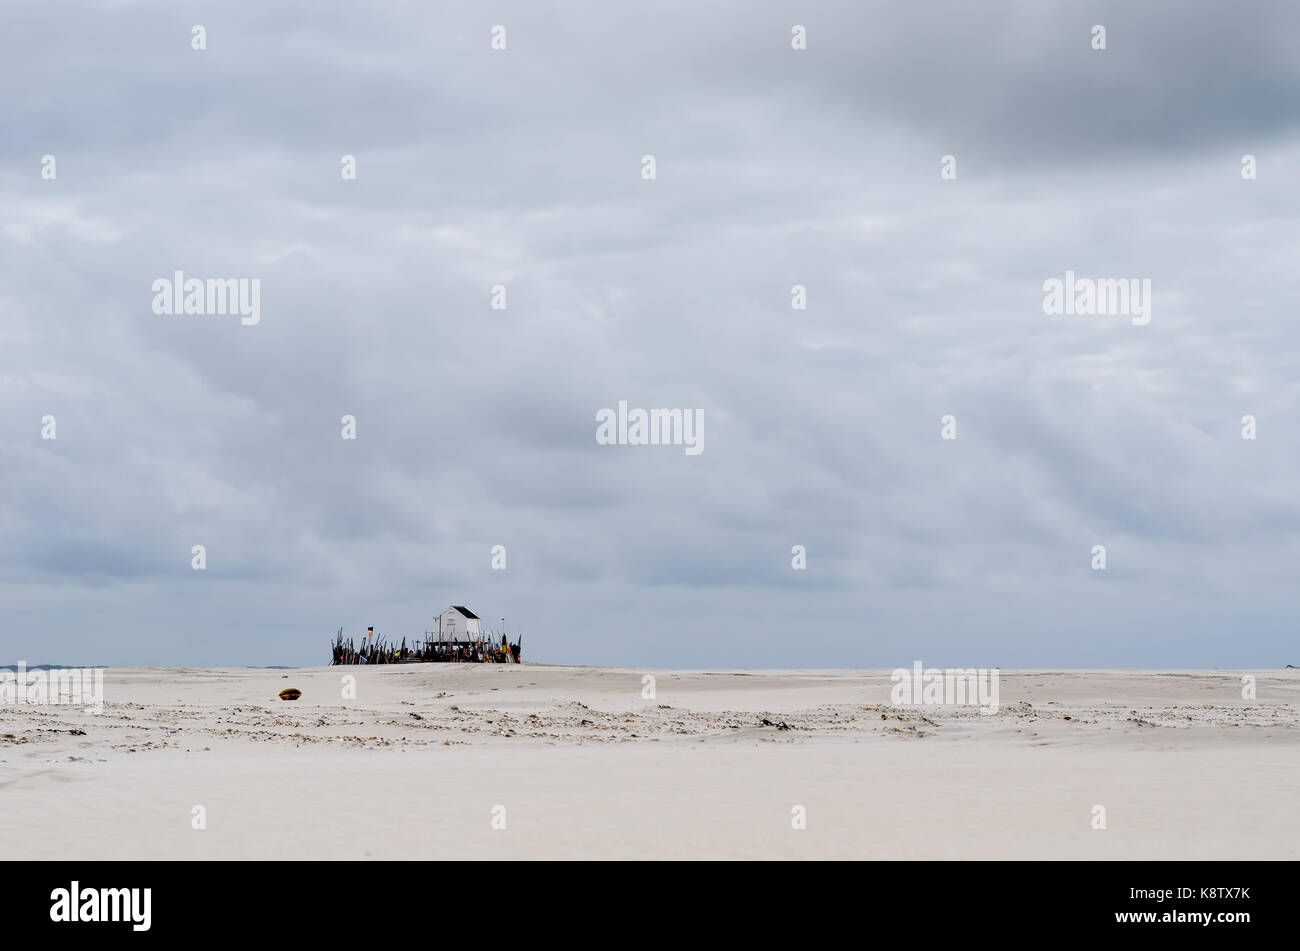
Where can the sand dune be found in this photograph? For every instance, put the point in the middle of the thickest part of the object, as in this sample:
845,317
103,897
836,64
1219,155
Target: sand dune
581,765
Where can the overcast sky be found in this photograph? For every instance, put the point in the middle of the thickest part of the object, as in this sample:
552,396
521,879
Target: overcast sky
476,427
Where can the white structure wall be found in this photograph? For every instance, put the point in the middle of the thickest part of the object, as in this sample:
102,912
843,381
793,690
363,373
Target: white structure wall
455,626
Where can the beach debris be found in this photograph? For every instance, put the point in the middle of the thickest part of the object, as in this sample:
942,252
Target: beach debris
290,693
415,716
780,724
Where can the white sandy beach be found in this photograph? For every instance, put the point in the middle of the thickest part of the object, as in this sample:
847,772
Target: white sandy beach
416,764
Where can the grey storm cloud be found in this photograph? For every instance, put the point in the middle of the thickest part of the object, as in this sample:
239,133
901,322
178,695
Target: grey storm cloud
476,426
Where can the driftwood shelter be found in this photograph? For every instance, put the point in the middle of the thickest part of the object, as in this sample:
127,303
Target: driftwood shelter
458,639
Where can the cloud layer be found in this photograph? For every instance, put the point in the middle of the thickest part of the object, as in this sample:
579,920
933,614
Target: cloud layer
476,426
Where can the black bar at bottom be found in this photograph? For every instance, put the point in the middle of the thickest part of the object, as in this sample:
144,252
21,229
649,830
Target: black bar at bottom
292,901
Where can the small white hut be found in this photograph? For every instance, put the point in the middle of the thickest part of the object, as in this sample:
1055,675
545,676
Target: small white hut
458,623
